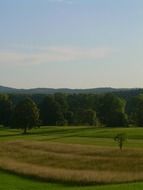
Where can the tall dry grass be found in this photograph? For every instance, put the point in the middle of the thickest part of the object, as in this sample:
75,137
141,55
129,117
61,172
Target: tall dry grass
71,163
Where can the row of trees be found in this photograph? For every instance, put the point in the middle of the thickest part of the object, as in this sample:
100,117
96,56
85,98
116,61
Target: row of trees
77,109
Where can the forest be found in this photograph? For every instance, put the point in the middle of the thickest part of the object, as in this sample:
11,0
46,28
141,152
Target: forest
107,110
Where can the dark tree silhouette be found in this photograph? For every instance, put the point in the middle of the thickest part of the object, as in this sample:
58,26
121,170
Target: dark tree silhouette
26,115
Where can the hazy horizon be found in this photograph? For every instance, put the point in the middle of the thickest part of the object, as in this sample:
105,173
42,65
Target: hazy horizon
43,87
71,43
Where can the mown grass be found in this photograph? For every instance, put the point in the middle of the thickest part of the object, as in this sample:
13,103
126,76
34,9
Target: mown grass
77,135
13,182
73,155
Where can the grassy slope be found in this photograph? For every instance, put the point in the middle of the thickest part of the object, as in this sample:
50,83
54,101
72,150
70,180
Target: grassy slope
81,135
77,135
13,182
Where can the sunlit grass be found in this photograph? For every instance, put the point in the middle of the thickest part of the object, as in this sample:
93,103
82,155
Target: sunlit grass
75,155
71,163
77,135
13,182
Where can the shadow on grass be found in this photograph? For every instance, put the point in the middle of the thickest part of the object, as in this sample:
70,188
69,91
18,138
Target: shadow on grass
11,135
52,133
61,133
49,131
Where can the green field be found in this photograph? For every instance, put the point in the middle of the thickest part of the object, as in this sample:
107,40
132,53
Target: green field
77,135
68,157
13,182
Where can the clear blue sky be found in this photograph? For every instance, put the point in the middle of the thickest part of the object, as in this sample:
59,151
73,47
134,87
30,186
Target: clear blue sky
71,43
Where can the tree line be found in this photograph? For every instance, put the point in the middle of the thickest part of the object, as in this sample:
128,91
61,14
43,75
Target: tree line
109,110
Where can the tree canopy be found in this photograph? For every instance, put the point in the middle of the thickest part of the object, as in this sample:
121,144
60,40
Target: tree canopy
108,110
6,110
26,115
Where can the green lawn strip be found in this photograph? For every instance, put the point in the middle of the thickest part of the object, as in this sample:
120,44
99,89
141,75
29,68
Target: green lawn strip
77,135
14,182
133,133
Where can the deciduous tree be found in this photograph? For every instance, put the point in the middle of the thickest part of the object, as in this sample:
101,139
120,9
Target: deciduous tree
6,109
26,115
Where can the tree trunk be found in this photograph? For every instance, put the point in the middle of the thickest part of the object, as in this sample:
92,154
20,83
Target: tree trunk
25,131
121,146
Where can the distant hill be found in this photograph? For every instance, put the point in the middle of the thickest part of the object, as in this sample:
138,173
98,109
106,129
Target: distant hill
9,90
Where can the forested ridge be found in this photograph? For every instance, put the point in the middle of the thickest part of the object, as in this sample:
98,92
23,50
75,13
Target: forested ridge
100,90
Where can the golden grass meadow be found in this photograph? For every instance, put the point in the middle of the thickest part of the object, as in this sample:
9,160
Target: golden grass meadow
71,163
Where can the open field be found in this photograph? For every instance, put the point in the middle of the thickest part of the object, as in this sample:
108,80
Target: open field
13,182
77,135
73,155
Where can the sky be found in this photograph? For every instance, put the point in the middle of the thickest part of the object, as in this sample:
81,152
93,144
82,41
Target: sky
71,43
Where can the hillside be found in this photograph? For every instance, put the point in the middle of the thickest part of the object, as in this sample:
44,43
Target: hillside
10,90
